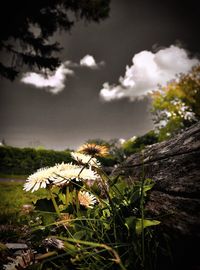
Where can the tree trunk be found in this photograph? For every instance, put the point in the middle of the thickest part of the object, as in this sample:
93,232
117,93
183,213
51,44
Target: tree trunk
174,166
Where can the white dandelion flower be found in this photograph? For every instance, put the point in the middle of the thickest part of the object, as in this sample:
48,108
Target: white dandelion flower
39,179
86,199
85,159
53,242
59,174
68,172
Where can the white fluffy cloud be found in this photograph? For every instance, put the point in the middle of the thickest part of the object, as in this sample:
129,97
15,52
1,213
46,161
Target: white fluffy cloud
147,72
52,83
56,83
90,62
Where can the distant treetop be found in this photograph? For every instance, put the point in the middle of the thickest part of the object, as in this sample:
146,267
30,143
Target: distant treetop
26,28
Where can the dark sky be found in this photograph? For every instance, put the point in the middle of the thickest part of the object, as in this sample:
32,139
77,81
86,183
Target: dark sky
31,116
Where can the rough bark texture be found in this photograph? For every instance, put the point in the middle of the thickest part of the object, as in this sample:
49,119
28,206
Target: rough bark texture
174,165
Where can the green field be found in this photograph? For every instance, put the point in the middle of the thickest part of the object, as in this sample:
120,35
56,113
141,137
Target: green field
13,197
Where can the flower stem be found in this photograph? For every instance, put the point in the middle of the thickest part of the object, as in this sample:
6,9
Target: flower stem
142,216
54,202
85,165
46,255
116,257
77,203
67,196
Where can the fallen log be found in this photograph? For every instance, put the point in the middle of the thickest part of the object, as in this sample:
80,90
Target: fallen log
174,166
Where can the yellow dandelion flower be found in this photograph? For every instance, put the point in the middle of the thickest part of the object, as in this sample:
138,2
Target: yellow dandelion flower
94,150
86,199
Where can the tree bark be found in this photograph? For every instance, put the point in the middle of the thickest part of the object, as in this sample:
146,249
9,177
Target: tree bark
174,166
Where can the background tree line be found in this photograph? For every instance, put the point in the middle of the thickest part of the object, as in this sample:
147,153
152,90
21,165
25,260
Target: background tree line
24,161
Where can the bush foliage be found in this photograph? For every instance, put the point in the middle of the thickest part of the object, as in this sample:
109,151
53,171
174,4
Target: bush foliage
24,161
176,106
136,144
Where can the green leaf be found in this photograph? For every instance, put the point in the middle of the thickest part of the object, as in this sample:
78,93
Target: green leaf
148,184
114,180
70,247
47,218
62,197
146,223
106,213
79,235
62,207
130,223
